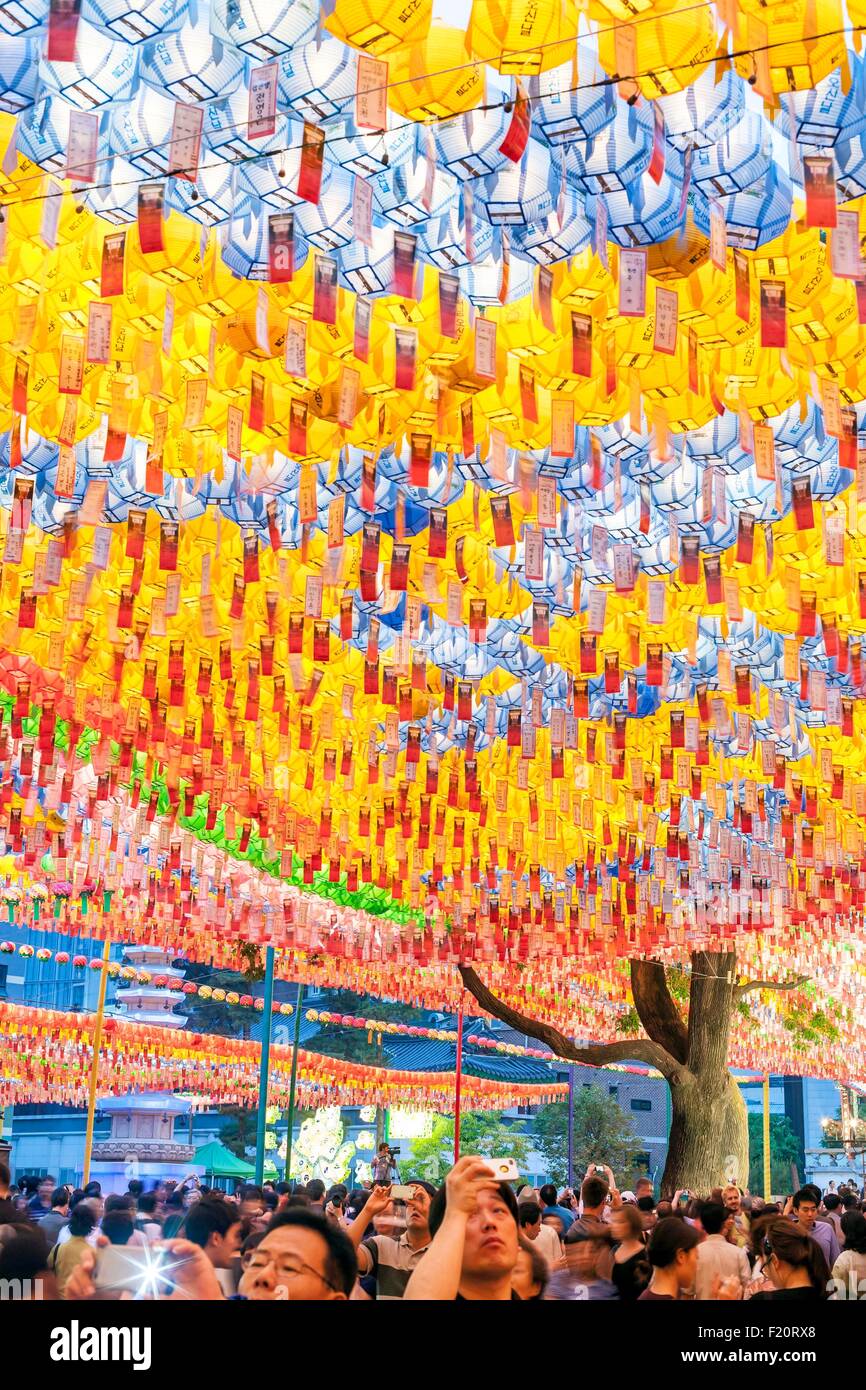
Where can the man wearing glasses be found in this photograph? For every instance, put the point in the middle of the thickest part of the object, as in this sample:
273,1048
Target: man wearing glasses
303,1258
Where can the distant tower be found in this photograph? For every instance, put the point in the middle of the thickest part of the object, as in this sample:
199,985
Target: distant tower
142,1142
145,1003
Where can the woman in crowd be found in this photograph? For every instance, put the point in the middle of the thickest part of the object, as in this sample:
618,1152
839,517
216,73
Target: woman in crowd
65,1257
673,1254
631,1270
795,1264
761,1281
531,1272
849,1271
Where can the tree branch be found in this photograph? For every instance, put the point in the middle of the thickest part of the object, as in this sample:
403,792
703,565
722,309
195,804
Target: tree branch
596,1054
656,1009
778,986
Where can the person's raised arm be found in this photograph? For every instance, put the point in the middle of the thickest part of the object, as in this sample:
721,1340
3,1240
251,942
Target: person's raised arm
437,1276
376,1203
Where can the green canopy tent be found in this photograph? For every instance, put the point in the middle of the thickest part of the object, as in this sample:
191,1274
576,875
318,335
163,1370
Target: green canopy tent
219,1162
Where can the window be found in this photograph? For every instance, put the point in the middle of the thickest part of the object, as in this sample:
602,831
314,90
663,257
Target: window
642,1161
638,1104
613,1091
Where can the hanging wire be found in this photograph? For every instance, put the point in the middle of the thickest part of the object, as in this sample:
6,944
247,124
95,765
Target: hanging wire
505,104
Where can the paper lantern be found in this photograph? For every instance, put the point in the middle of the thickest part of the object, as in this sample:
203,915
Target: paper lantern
444,244
134,21
141,131
557,237
527,37
569,105
399,194
263,29
740,159
615,157
317,81
703,113
189,65
519,194
672,44
103,71
225,130
646,212
379,28
795,57
359,152
211,200
245,248
833,110
18,62
482,281
470,147
431,80
756,215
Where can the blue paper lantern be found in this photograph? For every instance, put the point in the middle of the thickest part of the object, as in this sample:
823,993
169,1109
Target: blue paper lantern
225,130
555,238
191,65
469,145
703,112
518,194
398,193
443,242
827,113
104,71
481,281
212,199
564,110
740,159
43,135
644,213
756,215
245,247
19,59
134,21
263,29
317,82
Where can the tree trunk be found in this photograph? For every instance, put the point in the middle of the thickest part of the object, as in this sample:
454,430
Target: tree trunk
708,1144
709,1140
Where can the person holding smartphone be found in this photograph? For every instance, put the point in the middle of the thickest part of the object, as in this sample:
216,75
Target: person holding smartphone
391,1259
475,1245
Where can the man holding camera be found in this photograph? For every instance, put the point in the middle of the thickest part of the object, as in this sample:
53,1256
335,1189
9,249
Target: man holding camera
384,1166
392,1258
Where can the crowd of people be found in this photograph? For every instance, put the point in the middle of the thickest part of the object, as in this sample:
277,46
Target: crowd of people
471,1238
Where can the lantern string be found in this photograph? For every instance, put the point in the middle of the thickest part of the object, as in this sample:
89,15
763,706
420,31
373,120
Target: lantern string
254,156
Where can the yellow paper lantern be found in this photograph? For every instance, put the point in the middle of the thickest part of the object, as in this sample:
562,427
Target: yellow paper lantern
523,36
667,46
432,79
377,27
790,46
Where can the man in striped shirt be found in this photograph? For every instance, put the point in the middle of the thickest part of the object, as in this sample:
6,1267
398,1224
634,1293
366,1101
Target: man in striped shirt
391,1259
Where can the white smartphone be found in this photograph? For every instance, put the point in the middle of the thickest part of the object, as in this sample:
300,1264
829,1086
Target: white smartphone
504,1169
402,1192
